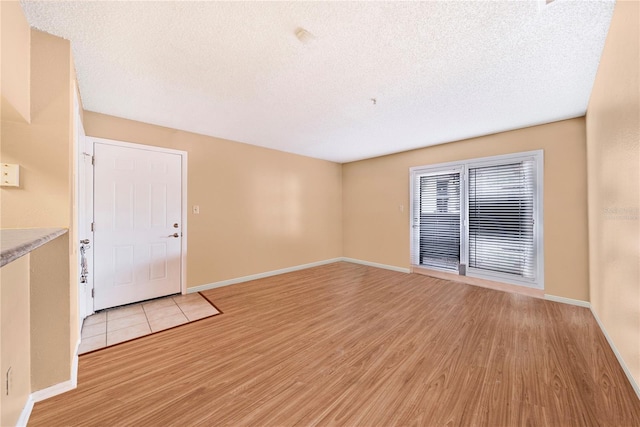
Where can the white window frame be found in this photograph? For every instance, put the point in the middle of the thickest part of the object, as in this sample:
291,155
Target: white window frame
538,157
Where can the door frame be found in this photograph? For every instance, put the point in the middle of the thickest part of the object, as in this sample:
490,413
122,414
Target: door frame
85,301
183,199
414,207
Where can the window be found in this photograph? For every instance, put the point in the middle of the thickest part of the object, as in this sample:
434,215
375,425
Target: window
482,218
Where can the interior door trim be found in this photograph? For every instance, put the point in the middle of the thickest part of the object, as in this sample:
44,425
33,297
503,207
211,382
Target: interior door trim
183,201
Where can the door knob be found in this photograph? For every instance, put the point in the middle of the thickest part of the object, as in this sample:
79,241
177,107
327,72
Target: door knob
175,225
174,235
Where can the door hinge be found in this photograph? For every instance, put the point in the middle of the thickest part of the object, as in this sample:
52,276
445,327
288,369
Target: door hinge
93,292
93,226
93,160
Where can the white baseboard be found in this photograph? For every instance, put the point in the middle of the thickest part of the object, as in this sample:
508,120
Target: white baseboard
377,265
289,270
625,368
259,276
26,412
54,390
570,301
74,364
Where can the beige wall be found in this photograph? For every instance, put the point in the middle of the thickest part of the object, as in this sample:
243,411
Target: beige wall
15,70
16,346
35,328
260,209
613,141
51,322
376,228
44,150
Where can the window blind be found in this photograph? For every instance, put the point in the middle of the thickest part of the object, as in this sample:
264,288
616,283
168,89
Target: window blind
439,218
501,219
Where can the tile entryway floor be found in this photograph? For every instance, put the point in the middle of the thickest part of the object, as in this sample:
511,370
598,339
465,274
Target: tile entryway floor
121,324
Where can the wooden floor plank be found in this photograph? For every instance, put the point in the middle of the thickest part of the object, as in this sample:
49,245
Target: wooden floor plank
344,344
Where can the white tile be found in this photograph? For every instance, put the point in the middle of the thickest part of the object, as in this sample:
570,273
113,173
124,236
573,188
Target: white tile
188,297
163,312
194,305
201,313
167,322
92,343
159,303
134,321
127,334
128,310
95,318
125,322
93,330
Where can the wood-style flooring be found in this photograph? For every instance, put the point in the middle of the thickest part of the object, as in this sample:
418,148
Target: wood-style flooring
345,344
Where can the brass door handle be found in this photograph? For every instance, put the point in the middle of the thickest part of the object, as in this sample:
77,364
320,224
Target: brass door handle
174,235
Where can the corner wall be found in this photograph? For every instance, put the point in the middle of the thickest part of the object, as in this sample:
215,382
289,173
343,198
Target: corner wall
613,152
51,320
43,147
16,344
260,210
376,200
16,68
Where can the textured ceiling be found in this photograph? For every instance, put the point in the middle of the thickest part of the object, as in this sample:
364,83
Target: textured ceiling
439,71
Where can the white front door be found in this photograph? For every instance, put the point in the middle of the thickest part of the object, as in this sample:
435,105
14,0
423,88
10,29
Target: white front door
138,224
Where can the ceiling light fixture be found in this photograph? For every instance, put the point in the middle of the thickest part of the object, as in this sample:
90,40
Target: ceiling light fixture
303,35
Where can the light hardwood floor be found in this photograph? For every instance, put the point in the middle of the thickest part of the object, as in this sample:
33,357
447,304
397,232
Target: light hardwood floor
345,344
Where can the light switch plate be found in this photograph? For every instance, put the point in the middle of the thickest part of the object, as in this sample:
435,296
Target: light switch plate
9,175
